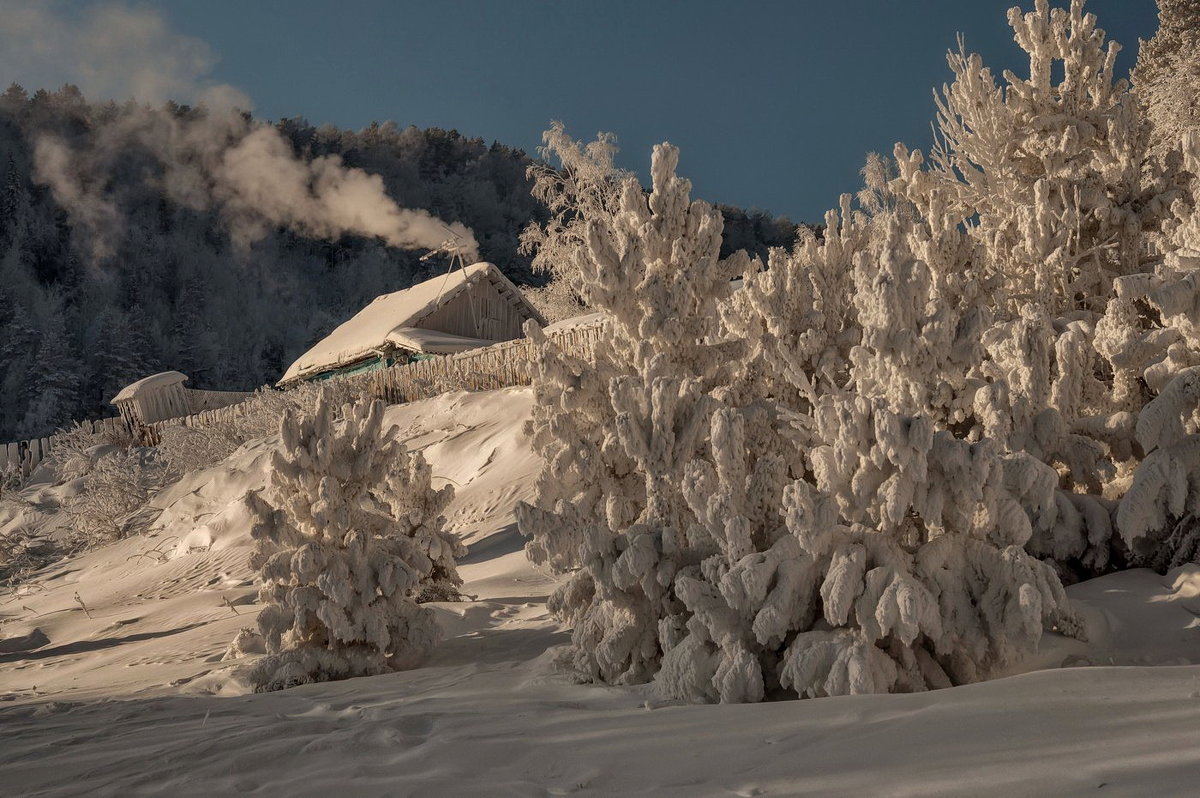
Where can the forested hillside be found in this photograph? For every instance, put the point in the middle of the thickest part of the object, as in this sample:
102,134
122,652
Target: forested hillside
133,278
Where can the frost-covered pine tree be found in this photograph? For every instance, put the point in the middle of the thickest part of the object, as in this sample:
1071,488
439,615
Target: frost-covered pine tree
1049,167
349,542
1051,178
921,420
1152,336
761,559
1167,75
796,316
895,561
587,184
1149,334
617,432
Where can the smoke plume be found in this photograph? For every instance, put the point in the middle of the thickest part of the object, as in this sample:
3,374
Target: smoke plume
208,157
260,182
108,50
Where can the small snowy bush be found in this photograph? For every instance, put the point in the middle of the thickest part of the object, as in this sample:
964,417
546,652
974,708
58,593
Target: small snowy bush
349,542
119,484
205,443
22,551
12,479
75,449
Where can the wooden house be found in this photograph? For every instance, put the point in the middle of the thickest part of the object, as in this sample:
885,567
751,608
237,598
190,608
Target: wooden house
464,309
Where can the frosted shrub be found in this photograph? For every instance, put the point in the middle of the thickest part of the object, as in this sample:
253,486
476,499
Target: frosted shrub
12,479
189,449
204,444
76,448
118,485
349,542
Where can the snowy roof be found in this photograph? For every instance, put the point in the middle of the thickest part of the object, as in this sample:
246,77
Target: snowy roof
575,322
148,385
370,329
434,342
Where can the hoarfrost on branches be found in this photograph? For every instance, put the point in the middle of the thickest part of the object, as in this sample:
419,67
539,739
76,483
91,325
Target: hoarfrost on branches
875,471
718,499
1167,77
349,543
617,433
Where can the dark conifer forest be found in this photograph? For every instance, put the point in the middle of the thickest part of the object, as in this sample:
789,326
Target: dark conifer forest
173,287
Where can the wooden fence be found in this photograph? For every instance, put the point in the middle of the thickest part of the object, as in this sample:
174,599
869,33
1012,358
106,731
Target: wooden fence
500,366
22,457
203,401
151,434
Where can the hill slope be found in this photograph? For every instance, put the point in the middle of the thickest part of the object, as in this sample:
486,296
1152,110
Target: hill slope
136,698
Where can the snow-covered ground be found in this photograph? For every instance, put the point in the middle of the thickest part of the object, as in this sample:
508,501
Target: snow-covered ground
130,696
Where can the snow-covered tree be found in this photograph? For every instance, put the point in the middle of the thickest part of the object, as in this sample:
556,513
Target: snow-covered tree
929,415
770,505
1152,336
896,561
1167,74
1047,170
586,184
617,433
796,317
1050,177
349,543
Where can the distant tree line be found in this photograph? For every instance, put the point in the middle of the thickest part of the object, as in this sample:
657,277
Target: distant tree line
177,293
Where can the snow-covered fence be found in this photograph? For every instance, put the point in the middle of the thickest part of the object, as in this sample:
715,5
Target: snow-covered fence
21,457
151,434
500,366
160,397
503,365
203,401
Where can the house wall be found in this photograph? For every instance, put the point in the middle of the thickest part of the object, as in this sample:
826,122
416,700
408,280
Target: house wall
495,317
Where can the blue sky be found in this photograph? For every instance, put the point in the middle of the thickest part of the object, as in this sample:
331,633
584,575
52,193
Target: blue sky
774,104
